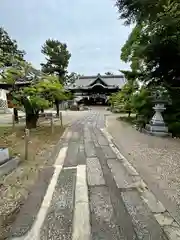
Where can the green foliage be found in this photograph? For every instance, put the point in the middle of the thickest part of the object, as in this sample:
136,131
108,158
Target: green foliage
57,57
153,47
51,88
142,104
42,94
108,73
44,89
9,52
39,95
131,51
174,128
71,78
10,75
131,75
122,99
139,10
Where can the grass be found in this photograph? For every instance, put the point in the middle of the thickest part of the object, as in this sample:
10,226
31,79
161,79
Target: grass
15,187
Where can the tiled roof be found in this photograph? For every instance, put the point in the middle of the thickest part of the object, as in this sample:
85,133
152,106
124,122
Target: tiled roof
110,80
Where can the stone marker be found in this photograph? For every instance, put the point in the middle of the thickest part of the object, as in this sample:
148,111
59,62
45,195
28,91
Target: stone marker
4,154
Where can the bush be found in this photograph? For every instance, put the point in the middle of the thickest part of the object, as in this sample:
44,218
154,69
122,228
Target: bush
140,121
174,128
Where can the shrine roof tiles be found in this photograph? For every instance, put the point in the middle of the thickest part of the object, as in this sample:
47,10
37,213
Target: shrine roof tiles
110,80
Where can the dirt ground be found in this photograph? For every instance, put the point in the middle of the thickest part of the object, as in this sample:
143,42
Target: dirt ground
15,187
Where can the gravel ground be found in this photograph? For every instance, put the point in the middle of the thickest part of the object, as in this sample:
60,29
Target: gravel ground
71,116
160,157
68,116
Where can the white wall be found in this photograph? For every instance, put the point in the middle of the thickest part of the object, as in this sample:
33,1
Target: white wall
3,100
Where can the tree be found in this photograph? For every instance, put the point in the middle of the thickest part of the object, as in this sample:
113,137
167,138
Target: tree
108,73
131,51
10,55
154,42
9,52
122,99
39,95
57,60
137,11
21,71
153,47
142,103
57,57
71,78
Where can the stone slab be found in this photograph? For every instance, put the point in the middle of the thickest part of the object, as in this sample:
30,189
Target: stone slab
81,225
122,217
94,139
59,220
103,224
87,135
116,151
75,136
120,175
81,158
90,149
155,205
173,233
145,224
71,157
4,154
8,166
29,210
164,218
81,221
108,152
94,172
131,170
102,140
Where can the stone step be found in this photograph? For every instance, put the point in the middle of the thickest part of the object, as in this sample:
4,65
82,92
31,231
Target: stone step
4,155
9,165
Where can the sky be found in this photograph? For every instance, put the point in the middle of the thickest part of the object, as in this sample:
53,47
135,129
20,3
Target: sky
91,29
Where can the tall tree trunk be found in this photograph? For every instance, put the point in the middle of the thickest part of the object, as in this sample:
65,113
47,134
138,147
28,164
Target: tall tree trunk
57,107
16,117
31,120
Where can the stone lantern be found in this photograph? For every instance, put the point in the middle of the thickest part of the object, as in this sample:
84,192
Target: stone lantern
157,125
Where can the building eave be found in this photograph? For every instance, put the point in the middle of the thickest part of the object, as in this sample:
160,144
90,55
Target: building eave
110,81
17,84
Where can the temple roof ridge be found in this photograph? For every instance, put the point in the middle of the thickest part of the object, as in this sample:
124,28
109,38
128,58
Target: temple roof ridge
116,81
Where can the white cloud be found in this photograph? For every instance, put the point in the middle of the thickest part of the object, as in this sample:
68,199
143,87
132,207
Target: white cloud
98,49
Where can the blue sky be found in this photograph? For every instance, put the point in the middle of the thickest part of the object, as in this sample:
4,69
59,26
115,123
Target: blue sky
90,28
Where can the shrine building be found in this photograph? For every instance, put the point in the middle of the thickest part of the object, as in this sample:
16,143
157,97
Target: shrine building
95,90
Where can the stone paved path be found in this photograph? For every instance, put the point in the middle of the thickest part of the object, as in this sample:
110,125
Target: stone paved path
94,194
